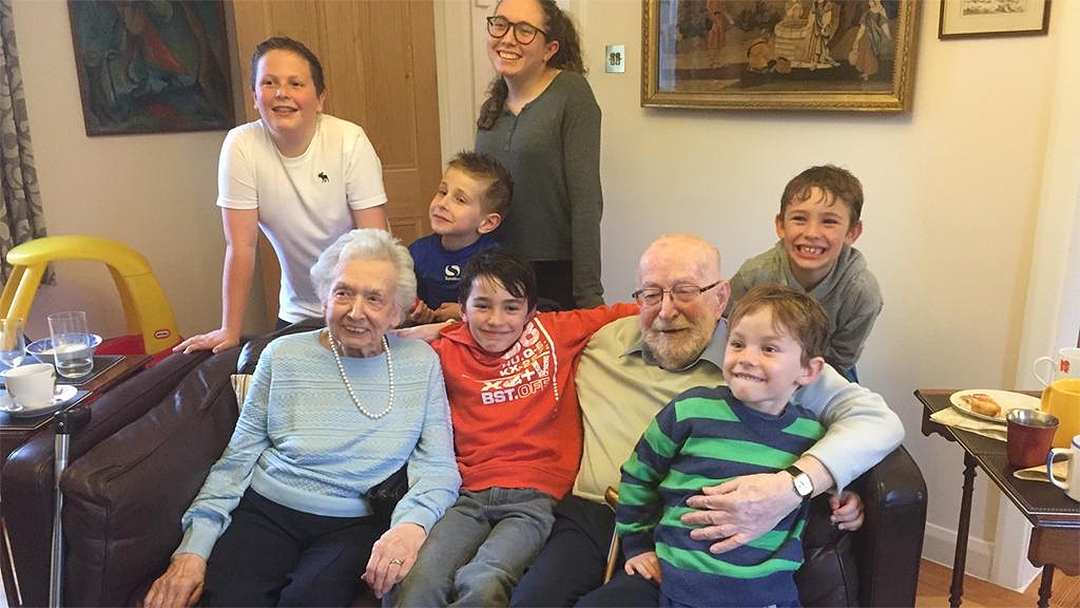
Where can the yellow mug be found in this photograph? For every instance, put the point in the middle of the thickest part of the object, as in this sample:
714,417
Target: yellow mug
1062,399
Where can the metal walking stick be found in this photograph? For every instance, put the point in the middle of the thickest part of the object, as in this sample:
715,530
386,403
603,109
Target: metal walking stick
67,422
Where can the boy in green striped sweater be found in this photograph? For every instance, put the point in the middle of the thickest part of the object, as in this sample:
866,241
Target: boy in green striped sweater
776,342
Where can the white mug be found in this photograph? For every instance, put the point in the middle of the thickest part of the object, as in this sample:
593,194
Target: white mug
31,386
1071,485
1067,365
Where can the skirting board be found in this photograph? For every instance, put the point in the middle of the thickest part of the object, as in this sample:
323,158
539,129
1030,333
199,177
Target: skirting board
939,545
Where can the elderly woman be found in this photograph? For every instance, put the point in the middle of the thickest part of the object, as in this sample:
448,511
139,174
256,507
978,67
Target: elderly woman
282,517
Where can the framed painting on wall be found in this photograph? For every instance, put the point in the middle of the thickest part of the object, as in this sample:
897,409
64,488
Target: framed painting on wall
831,55
151,67
972,18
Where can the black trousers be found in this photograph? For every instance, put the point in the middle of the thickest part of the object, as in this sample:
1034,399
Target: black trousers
271,555
570,568
555,282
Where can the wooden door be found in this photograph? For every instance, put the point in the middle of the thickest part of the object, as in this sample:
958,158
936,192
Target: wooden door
378,57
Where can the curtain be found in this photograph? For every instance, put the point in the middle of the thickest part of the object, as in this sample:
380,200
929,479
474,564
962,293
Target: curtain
21,218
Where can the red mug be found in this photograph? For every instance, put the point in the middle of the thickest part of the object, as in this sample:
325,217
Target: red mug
1029,435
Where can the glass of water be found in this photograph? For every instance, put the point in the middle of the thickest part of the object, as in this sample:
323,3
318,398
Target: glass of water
12,352
12,342
71,342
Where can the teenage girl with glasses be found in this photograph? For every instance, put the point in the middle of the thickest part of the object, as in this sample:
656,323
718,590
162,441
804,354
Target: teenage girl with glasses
542,122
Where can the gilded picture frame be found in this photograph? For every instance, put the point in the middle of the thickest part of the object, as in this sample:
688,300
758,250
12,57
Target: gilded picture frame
986,18
813,55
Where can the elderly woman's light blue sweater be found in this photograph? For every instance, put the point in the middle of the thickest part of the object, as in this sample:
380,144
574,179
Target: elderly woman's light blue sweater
301,442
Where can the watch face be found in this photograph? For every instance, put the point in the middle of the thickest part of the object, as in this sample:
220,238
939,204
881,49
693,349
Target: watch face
803,485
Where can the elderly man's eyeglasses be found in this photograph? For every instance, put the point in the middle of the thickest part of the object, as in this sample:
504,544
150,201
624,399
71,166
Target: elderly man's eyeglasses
653,296
524,33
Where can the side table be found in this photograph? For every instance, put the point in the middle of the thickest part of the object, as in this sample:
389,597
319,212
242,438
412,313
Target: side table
1055,537
109,370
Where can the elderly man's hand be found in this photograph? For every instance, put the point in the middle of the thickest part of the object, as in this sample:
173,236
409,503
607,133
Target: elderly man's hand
740,510
181,585
392,556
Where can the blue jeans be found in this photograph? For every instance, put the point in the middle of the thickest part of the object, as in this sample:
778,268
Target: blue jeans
478,550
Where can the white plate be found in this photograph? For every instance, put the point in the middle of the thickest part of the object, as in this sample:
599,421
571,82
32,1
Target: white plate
1008,400
63,394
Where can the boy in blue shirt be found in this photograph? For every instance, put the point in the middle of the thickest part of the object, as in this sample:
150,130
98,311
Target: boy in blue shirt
818,223
708,435
473,197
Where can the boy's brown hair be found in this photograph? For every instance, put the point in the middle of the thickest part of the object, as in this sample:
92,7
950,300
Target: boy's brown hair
796,314
484,167
840,183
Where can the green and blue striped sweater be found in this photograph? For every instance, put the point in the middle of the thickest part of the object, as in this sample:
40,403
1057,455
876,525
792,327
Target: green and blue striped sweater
702,438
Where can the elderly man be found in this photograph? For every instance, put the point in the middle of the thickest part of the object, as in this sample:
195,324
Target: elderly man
632,368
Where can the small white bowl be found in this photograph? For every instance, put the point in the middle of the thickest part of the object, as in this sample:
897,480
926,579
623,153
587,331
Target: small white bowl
42,349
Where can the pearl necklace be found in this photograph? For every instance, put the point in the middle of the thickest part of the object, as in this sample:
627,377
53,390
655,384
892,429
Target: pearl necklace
348,385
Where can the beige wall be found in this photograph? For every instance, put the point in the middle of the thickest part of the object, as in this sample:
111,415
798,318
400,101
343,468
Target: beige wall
154,192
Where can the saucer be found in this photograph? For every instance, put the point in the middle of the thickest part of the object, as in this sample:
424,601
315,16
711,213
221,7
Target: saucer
61,396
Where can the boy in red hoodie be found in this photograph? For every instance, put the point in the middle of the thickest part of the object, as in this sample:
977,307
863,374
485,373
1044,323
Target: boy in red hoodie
517,432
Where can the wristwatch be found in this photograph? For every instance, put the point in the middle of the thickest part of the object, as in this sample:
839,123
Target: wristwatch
804,486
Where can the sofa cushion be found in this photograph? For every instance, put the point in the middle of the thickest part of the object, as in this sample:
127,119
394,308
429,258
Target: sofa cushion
125,496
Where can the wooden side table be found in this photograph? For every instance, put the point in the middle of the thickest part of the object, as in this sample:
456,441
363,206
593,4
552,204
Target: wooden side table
1055,537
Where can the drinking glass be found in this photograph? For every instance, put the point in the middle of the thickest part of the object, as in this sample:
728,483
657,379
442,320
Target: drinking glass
12,352
71,343
12,342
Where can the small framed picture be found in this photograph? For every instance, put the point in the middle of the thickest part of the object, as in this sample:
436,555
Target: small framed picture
980,18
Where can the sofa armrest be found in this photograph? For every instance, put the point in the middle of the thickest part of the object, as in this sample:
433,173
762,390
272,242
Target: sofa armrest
889,546
124,498
27,475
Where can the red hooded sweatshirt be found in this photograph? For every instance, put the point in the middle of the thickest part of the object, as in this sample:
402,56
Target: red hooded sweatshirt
516,418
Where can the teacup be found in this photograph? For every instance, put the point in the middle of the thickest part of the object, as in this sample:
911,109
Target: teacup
1071,485
1067,365
31,386
1062,399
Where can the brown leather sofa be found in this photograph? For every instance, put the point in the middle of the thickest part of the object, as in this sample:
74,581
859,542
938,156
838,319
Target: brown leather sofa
143,457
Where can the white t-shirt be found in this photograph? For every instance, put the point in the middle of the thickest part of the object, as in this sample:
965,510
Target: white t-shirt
305,203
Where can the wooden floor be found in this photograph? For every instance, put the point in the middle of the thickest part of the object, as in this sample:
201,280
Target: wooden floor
934,581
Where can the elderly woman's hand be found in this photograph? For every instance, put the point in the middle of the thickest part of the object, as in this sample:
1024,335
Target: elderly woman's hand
392,556
181,585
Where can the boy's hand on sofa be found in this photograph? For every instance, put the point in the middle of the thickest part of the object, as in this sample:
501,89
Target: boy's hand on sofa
392,556
646,565
847,510
181,585
217,341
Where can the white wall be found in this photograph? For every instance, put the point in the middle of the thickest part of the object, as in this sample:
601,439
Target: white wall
953,195
154,192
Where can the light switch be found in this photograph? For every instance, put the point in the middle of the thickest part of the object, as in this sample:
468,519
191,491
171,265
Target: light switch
616,59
